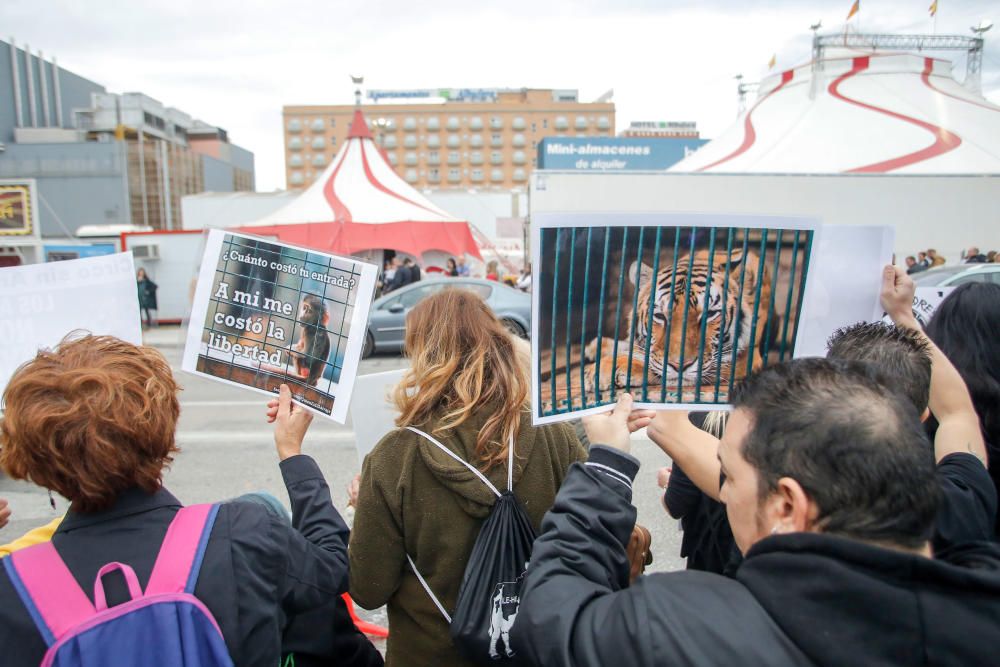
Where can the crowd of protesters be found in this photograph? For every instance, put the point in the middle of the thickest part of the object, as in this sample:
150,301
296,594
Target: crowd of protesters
843,513
930,259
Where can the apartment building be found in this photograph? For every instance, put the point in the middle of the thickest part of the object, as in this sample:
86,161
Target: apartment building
469,138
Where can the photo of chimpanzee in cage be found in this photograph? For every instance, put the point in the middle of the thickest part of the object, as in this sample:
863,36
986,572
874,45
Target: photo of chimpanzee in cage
674,314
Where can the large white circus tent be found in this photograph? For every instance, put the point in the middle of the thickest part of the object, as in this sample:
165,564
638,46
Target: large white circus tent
361,204
859,112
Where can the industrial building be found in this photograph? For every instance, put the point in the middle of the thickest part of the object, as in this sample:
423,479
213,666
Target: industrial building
73,155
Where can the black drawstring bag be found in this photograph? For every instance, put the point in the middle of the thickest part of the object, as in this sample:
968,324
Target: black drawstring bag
490,594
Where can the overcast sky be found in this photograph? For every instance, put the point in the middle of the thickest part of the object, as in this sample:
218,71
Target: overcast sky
235,63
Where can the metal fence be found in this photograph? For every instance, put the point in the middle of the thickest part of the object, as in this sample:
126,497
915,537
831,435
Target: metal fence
671,314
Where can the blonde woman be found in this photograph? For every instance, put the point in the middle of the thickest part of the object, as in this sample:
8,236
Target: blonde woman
468,388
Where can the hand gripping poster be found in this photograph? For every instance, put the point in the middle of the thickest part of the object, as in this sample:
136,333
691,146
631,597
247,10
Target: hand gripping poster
267,313
673,308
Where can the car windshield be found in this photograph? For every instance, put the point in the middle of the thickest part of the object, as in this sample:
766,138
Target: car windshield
937,276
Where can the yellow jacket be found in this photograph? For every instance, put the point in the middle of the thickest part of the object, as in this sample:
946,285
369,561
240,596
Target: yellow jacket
31,538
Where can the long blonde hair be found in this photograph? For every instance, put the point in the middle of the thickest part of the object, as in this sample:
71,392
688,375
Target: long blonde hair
463,361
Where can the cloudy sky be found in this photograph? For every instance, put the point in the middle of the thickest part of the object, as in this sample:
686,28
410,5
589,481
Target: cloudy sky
234,63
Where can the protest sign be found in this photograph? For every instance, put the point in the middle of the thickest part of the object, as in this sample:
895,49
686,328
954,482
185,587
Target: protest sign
673,308
267,313
373,413
925,302
41,303
844,282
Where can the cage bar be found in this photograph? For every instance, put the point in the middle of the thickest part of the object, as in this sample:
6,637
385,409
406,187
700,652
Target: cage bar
652,308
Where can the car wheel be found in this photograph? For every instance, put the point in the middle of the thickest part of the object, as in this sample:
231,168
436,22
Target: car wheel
369,348
514,328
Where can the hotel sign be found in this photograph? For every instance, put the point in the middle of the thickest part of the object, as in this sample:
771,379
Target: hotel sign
15,209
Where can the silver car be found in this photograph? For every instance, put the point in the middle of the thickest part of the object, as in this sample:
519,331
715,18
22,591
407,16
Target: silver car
958,274
387,320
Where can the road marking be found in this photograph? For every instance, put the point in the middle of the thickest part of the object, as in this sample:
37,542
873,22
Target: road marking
222,404
239,437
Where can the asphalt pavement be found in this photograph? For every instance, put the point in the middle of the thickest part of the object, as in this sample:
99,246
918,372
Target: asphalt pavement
227,450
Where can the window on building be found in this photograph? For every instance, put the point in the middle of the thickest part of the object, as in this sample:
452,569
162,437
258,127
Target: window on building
454,175
496,157
454,157
477,175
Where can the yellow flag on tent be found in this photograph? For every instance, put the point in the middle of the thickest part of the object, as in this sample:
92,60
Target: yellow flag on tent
933,8
855,8
772,61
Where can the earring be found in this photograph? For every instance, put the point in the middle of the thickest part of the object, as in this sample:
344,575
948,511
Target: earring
774,531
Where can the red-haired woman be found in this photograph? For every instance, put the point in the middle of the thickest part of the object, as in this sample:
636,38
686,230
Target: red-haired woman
468,388
94,421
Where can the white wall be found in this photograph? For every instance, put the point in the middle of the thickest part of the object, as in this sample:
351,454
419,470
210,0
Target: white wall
948,213
174,273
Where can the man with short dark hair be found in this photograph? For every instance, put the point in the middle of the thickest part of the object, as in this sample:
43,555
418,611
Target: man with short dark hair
973,256
913,266
830,491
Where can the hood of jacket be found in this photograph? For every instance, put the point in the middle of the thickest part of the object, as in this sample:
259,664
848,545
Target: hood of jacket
475,498
843,602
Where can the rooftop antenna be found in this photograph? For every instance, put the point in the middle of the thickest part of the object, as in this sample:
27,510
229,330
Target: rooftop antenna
817,60
357,81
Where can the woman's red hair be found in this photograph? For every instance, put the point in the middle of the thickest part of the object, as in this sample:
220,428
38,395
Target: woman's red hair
90,419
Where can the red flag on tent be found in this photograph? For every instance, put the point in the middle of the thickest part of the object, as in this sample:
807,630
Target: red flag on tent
855,8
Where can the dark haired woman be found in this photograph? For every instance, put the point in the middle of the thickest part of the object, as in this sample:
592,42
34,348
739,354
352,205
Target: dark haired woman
966,326
451,268
147,295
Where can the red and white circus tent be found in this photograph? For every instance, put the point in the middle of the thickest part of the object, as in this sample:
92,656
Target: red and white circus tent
865,112
360,203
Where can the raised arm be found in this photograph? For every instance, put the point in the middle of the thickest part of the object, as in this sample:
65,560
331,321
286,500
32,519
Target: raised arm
950,403
689,447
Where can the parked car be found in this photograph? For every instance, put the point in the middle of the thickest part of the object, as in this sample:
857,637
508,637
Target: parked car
958,274
387,319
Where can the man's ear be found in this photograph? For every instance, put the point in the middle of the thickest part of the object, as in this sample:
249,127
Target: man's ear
789,509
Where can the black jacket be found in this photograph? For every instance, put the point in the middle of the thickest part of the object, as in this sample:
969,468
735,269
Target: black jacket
798,599
257,568
708,541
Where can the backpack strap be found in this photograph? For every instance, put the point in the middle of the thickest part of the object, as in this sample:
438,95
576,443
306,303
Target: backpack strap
179,560
48,590
430,593
482,477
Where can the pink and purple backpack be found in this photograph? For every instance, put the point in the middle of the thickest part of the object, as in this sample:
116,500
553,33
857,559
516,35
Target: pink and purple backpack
163,626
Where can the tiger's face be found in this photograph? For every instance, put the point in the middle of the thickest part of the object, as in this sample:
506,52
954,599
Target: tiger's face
712,301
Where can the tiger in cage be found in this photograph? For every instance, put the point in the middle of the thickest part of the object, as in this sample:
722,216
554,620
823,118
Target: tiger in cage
668,315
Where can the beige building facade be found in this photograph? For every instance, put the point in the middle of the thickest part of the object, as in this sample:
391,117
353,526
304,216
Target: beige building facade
489,141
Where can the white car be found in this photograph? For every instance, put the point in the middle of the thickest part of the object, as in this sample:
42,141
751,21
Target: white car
958,274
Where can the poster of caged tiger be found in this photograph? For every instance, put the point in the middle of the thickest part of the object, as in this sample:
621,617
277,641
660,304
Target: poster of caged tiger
673,308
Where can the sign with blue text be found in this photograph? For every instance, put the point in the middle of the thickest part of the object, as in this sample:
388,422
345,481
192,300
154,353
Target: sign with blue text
614,153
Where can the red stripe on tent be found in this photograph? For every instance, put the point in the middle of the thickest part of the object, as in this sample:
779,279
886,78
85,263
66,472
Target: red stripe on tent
749,134
410,236
382,188
340,211
944,141
926,77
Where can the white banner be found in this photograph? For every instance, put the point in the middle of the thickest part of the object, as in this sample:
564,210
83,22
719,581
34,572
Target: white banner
41,303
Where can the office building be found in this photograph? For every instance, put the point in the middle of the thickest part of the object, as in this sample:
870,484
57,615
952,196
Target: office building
470,138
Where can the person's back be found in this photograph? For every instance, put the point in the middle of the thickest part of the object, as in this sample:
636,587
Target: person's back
416,501
94,420
830,491
965,326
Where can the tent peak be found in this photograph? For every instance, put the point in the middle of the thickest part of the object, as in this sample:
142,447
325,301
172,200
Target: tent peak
359,127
